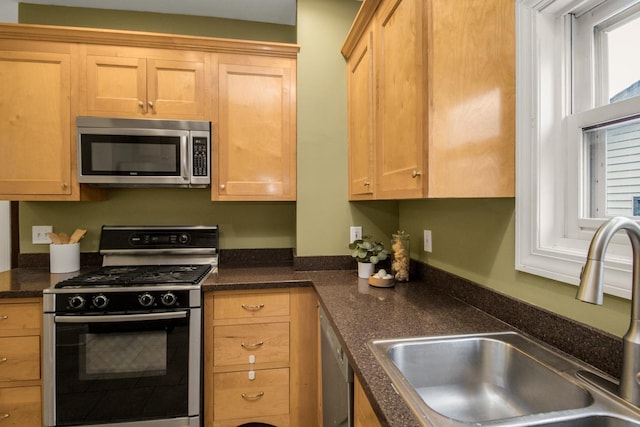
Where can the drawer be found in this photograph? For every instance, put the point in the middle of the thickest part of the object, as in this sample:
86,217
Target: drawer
19,316
20,407
250,305
268,342
19,358
236,396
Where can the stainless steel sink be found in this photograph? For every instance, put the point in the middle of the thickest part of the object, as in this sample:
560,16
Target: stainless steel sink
481,379
500,379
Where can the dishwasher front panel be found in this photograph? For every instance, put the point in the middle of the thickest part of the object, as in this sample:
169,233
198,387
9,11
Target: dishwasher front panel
337,379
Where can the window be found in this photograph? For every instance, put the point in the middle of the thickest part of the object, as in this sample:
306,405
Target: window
578,134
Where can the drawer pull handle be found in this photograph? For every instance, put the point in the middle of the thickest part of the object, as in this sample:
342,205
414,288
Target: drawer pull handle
252,346
4,416
254,396
3,359
253,307
5,317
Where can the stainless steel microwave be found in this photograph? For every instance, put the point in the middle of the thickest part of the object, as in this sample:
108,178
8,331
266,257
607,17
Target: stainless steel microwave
115,152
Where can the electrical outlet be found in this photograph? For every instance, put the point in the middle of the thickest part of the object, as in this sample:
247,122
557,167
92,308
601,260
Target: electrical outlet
39,234
355,233
427,241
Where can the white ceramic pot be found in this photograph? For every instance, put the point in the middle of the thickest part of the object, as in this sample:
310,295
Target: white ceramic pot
365,269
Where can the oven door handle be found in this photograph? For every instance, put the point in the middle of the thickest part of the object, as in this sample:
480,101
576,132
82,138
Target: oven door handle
120,317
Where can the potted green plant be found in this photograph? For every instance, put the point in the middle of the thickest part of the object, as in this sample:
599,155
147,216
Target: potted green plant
368,253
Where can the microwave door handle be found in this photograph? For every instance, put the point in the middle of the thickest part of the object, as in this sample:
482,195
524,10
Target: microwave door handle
186,149
121,318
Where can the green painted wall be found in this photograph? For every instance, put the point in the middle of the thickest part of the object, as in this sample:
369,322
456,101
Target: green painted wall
474,239
242,224
323,211
154,22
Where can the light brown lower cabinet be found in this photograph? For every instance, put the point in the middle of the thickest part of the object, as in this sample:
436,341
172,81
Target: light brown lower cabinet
364,416
236,395
261,358
20,374
20,407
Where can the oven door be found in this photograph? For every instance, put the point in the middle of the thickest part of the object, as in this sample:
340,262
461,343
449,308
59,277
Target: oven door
129,369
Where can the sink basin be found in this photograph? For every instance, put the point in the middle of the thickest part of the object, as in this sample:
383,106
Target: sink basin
477,379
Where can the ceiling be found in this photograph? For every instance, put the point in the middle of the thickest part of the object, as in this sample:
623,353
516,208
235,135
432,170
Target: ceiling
272,11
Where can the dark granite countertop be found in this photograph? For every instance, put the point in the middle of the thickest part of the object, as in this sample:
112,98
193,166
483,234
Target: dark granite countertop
358,312
29,282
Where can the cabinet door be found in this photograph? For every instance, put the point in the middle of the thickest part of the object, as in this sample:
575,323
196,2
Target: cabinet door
401,67
361,119
267,343
364,416
20,358
176,89
251,305
20,407
116,85
237,396
35,106
255,142
472,97
129,82
20,318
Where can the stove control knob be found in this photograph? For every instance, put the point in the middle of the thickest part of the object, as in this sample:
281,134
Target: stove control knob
100,301
76,302
183,238
146,299
168,299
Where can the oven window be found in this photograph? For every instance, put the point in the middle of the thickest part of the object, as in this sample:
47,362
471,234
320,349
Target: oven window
109,372
123,355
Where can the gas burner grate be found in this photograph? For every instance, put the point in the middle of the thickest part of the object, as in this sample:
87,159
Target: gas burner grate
148,275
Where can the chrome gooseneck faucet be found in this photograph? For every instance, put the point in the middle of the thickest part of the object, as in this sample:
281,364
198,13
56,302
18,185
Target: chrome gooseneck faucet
591,290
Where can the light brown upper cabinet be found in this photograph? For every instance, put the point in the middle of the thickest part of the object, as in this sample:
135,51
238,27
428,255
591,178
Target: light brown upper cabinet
50,75
255,138
439,103
149,83
37,154
361,116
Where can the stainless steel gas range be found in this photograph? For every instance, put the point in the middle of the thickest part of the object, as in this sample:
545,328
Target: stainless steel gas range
122,343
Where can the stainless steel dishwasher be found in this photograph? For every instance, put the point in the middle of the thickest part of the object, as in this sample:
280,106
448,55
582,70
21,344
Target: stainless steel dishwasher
337,379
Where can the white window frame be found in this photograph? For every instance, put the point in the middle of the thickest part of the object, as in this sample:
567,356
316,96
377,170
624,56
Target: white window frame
552,238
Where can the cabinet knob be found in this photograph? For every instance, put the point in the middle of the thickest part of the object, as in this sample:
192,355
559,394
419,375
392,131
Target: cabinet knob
222,186
367,183
141,105
4,317
151,105
3,416
65,185
415,174
3,359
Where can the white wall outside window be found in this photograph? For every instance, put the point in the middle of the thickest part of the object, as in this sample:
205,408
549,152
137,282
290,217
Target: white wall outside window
8,13
555,100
